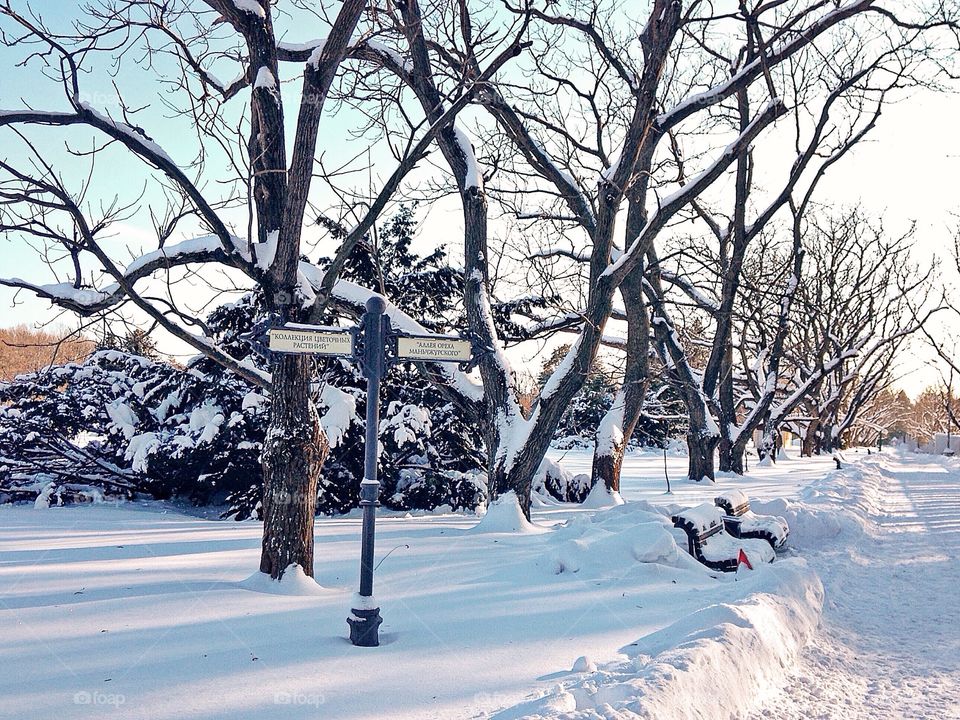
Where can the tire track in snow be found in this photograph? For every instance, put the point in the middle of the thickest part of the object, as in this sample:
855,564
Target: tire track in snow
889,645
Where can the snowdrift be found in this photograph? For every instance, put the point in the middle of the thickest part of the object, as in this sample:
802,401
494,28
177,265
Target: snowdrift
714,663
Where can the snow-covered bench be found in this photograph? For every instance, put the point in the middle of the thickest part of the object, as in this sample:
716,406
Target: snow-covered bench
742,522
711,545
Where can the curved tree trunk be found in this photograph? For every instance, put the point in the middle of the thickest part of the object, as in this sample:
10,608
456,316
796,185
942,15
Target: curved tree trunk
738,452
621,420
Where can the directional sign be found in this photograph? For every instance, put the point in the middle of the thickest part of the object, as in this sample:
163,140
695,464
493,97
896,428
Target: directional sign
315,342
434,348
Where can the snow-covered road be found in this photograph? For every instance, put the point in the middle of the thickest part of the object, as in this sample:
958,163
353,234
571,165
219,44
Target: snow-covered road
889,645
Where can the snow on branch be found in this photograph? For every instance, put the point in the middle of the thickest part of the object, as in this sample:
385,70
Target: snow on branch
692,291
551,252
473,177
753,70
673,203
252,7
90,300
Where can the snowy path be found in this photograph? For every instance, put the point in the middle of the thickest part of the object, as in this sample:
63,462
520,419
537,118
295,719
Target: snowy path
889,646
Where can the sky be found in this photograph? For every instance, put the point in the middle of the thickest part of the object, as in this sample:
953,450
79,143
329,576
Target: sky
906,172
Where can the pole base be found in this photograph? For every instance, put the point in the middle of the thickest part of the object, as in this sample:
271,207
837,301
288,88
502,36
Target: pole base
365,627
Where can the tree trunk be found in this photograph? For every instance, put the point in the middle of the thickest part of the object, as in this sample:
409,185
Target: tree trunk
293,455
517,474
737,453
621,420
700,447
809,439
726,455
768,444
610,446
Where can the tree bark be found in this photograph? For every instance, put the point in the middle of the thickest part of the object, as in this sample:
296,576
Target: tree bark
621,420
700,448
293,454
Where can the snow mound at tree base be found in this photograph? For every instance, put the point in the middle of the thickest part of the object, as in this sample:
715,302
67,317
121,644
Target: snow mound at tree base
505,516
294,581
600,497
714,663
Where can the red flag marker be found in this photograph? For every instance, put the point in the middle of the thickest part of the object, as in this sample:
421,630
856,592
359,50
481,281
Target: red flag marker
742,559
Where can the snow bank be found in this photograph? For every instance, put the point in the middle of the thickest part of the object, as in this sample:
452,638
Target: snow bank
837,504
713,663
609,542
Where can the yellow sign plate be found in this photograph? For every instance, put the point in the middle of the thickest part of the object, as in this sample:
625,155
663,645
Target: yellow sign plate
433,349
315,342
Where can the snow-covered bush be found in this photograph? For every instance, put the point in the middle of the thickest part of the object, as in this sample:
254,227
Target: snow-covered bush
197,432
65,429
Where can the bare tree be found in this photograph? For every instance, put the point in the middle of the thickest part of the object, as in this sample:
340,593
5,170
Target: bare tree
595,115
852,314
245,167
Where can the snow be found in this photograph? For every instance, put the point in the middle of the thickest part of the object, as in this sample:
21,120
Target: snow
703,517
123,417
301,47
314,60
293,582
610,429
390,53
474,178
341,408
609,172
251,6
206,419
505,516
66,291
598,613
202,244
711,663
139,450
734,497
265,79
583,664
409,424
267,250
722,547
253,400
600,497
889,646
564,368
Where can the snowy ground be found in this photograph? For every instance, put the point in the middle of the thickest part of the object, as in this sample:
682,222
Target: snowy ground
889,646
144,611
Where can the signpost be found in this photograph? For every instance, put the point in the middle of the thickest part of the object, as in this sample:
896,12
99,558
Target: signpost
319,341
436,348
371,345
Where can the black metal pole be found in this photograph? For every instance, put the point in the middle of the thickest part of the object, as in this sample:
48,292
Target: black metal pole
365,620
